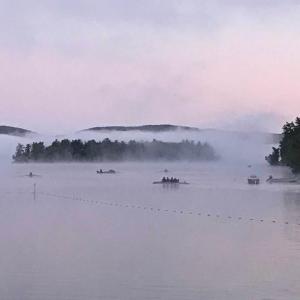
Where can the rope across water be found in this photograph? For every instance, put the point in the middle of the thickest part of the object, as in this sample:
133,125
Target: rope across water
164,210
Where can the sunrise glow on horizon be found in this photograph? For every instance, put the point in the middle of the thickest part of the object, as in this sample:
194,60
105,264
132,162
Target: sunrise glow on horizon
67,65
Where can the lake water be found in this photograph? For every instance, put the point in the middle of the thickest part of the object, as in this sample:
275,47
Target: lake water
87,236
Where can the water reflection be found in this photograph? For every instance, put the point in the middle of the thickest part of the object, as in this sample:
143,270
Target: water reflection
144,247
172,186
291,202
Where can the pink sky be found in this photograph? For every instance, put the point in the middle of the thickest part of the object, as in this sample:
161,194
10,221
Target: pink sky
208,65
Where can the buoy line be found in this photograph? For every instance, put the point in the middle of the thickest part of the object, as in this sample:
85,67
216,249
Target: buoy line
161,210
7,193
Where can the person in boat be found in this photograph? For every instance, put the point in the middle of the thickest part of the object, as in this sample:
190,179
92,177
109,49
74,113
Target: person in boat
174,180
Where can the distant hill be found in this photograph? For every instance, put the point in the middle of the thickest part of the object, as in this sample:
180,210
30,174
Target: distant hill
146,128
272,138
9,130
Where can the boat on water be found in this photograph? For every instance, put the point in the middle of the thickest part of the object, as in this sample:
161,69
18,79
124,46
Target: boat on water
32,175
282,180
106,172
171,183
253,179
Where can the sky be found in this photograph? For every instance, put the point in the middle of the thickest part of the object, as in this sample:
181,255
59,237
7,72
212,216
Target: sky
68,65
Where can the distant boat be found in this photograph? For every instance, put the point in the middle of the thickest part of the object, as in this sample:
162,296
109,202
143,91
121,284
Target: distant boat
253,179
31,175
106,172
282,180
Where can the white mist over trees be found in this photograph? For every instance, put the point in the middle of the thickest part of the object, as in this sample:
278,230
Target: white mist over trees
231,147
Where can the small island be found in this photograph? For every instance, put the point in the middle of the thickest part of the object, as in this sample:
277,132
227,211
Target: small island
107,150
288,152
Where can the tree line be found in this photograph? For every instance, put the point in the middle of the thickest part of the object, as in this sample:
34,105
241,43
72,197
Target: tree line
288,152
107,150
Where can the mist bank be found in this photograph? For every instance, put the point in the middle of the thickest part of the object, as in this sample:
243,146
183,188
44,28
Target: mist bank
269,138
129,132
144,128
232,147
107,150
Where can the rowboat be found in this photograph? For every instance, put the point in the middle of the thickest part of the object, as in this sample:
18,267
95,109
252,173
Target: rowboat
171,183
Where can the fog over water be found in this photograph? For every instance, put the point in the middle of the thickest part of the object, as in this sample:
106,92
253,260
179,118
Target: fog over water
231,146
89,236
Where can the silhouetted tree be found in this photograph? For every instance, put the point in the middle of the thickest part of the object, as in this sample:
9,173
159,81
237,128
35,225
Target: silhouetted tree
37,151
288,152
19,155
273,158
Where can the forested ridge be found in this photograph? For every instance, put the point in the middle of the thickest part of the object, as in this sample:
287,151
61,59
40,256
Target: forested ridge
14,130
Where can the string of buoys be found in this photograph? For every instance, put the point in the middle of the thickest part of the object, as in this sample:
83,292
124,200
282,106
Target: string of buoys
175,211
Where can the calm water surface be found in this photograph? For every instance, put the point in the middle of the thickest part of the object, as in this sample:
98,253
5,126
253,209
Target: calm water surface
89,236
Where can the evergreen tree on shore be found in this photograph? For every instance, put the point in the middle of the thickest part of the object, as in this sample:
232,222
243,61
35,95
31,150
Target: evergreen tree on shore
288,152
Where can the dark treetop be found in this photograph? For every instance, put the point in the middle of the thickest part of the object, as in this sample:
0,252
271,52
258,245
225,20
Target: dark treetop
288,152
107,150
